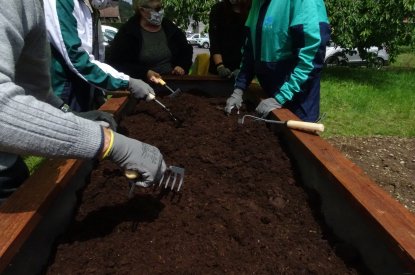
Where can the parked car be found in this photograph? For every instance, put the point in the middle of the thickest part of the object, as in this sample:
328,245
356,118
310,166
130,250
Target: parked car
203,42
108,33
336,55
192,38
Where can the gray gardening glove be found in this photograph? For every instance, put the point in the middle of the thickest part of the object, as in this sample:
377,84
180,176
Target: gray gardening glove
134,155
141,90
235,100
223,71
266,106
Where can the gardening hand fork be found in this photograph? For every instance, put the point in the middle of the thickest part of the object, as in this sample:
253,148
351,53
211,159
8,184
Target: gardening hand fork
175,174
171,176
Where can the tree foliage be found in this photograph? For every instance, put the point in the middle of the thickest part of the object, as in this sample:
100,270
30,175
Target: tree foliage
361,23
182,11
366,23
126,10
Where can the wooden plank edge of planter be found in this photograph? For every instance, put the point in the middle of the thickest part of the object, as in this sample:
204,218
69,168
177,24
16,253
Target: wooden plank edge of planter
397,222
211,85
197,78
24,209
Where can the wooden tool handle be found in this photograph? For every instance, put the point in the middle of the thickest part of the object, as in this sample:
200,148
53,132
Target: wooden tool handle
158,80
161,82
305,126
131,174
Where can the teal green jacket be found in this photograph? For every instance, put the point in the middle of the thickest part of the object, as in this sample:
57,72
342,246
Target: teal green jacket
285,45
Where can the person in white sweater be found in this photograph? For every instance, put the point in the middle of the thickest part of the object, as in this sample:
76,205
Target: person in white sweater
31,122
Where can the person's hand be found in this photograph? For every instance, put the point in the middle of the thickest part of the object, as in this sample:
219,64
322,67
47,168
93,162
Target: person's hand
134,155
103,118
266,106
235,100
223,71
178,70
140,89
153,76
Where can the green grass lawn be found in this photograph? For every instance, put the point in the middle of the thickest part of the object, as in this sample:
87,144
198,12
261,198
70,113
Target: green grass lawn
368,102
33,162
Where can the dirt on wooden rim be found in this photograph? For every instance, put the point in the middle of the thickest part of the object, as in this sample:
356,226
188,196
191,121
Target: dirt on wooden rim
241,209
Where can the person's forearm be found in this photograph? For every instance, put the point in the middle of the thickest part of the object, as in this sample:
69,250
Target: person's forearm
33,127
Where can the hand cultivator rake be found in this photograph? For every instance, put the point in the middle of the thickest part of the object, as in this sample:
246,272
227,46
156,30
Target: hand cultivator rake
173,176
293,124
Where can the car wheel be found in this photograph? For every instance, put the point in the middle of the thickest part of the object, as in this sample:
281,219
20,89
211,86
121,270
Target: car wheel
378,63
332,61
206,45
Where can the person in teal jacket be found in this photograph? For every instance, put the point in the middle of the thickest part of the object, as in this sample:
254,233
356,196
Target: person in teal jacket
285,48
80,77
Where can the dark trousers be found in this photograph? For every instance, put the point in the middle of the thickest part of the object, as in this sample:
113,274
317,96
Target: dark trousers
80,96
12,178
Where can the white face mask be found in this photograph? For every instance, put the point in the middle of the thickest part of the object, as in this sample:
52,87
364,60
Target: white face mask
156,17
102,4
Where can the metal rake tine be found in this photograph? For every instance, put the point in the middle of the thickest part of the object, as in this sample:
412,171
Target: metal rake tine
131,193
178,171
161,180
181,182
174,181
168,179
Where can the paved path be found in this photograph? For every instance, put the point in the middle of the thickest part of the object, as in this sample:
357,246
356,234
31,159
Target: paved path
197,50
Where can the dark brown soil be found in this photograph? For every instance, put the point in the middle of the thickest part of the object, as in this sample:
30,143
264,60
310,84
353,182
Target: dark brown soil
241,209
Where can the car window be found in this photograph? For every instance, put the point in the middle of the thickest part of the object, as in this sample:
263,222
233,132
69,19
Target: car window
110,34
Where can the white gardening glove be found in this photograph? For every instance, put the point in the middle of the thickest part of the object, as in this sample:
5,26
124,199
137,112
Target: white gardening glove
235,100
141,90
266,106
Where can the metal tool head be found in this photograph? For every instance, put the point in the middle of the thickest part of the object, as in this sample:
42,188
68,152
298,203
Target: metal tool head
173,175
174,93
163,83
